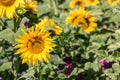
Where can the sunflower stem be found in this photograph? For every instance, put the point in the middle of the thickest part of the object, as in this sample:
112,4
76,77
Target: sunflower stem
15,28
39,71
16,24
6,54
3,22
12,70
54,2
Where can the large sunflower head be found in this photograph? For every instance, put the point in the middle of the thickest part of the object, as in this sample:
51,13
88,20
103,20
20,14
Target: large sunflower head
113,2
8,7
92,2
34,45
80,3
49,24
74,17
88,23
31,6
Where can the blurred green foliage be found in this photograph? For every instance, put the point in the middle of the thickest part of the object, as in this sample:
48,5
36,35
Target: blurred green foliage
86,50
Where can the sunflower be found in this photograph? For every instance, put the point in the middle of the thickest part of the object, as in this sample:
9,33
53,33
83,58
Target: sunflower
92,2
84,18
48,24
31,6
34,45
113,2
74,17
8,7
74,3
88,23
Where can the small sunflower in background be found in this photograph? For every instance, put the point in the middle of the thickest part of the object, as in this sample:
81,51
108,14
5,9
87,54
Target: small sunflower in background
34,45
80,3
49,24
74,17
8,7
92,2
30,6
88,23
113,2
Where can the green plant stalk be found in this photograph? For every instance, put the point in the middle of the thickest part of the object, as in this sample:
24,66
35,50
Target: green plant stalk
2,22
39,71
13,71
16,24
15,66
6,54
54,2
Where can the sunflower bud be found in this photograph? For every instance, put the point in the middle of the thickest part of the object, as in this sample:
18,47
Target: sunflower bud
20,11
1,40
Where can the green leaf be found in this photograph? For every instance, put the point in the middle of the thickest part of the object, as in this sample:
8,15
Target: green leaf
1,48
43,9
19,32
10,24
1,27
114,46
56,59
108,71
113,76
76,71
23,21
30,73
6,66
87,65
116,67
46,69
96,66
51,75
8,35
62,76
115,17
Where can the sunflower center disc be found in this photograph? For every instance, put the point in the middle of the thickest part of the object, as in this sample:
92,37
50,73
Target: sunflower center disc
6,2
36,45
78,3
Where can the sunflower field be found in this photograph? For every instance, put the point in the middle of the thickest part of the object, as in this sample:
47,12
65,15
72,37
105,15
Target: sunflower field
59,39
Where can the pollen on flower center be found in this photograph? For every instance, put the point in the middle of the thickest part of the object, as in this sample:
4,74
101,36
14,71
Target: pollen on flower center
6,2
74,18
92,0
87,21
78,3
113,0
35,45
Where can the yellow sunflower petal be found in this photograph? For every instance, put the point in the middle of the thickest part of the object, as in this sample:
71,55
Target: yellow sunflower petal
8,7
74,3
92,2
36,47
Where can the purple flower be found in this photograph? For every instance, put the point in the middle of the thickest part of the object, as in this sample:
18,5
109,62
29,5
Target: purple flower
1,78
113,51
27,79
23,73
18,75
26,24
59,71
68,61
106,65
80,77
69,71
